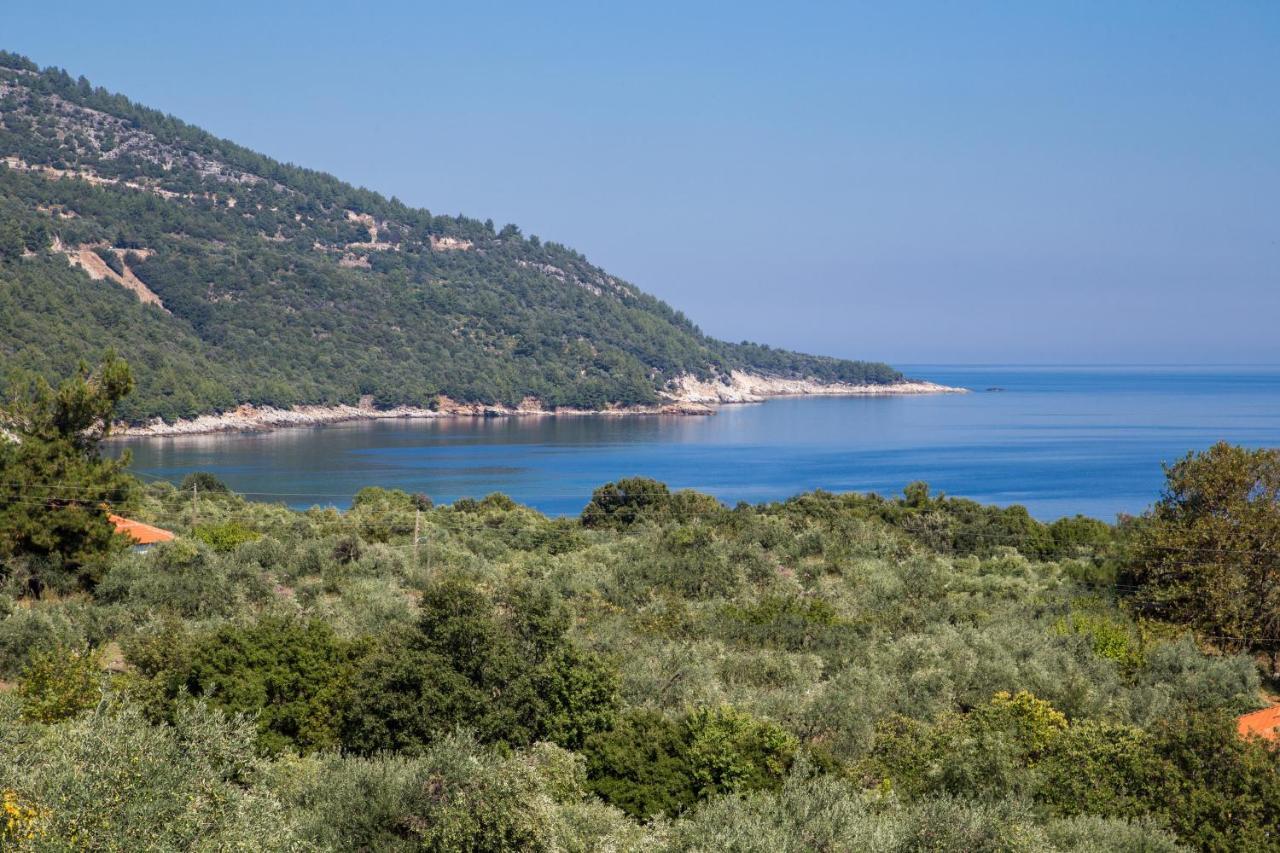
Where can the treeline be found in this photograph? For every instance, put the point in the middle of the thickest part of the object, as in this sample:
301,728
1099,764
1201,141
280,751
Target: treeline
836,672
274,284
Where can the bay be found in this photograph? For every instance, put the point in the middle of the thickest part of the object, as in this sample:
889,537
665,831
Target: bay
1059,440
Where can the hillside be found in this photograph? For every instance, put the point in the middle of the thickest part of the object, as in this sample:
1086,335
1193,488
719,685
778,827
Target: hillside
227,278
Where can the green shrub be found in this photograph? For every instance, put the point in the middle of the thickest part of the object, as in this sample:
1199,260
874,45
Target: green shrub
1223,791
622,504
730,751
29,630
184,577
226,536
650,764
642,765
456,795
292,676
60,683
988,752
1103,769
1080,536
1109,638
201,483
513,675
110,780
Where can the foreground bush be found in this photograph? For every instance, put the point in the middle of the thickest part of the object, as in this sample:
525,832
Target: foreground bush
650,764
823,813
109,780
456,795
291,676
60,683
511,674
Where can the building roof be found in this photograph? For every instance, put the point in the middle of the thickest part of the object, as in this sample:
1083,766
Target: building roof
141,534
1264,723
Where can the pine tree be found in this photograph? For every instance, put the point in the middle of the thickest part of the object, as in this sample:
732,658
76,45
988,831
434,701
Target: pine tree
56,489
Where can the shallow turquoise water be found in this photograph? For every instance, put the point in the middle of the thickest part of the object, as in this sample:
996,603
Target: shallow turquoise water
1060,440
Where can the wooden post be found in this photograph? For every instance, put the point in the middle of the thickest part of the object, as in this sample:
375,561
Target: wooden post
417,526
195,505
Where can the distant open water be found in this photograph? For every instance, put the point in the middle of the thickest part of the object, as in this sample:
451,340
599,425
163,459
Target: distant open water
1060,440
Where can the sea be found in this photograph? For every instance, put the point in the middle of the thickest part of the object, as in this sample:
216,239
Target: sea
1060,440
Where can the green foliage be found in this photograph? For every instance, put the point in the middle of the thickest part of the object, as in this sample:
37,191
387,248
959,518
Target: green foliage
383,514
642,766
457,795
55,487
1192,774
620,505
1033,722
984,752
1223,793
110,258
731,751
225,536
1080,535
1101,768
1108,636
1205,555
816,812
292,675
960,526
109,780
60,683
183,577
650,764
789,622
202,482
514,676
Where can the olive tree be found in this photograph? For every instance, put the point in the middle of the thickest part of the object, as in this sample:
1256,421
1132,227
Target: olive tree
1208,553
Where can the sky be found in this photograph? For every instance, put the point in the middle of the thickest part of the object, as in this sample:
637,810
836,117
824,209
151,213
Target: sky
977,182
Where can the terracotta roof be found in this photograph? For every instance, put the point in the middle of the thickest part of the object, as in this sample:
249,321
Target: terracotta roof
141,534
1264,723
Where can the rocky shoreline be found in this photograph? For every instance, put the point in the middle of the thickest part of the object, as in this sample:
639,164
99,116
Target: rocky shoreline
741,387
685,396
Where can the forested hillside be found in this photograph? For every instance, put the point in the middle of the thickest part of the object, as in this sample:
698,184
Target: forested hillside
229,278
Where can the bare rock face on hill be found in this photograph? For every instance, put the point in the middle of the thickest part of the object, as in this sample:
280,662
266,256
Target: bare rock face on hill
228,279
90,259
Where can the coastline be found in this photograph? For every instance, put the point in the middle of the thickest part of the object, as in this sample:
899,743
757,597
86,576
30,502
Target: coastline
686,396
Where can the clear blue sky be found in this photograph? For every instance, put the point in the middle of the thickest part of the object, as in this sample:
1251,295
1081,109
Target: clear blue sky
1073,181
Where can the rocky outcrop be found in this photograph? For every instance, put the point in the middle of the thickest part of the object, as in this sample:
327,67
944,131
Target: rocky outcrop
741,387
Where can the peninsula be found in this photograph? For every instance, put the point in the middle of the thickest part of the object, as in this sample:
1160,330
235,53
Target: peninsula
249,294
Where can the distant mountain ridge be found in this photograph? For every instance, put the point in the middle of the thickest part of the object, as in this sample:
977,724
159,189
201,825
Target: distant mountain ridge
228,278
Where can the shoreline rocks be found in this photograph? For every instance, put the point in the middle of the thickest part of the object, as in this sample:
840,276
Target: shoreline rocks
741,387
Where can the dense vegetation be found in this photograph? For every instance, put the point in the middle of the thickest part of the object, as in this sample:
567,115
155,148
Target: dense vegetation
832,672
284,286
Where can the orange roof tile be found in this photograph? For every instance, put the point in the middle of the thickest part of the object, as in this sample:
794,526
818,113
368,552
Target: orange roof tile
141,534
1264,723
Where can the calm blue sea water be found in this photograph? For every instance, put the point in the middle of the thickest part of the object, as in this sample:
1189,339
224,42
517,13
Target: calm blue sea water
1060,440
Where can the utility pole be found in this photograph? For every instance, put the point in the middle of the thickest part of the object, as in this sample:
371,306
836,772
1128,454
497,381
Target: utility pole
417,526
